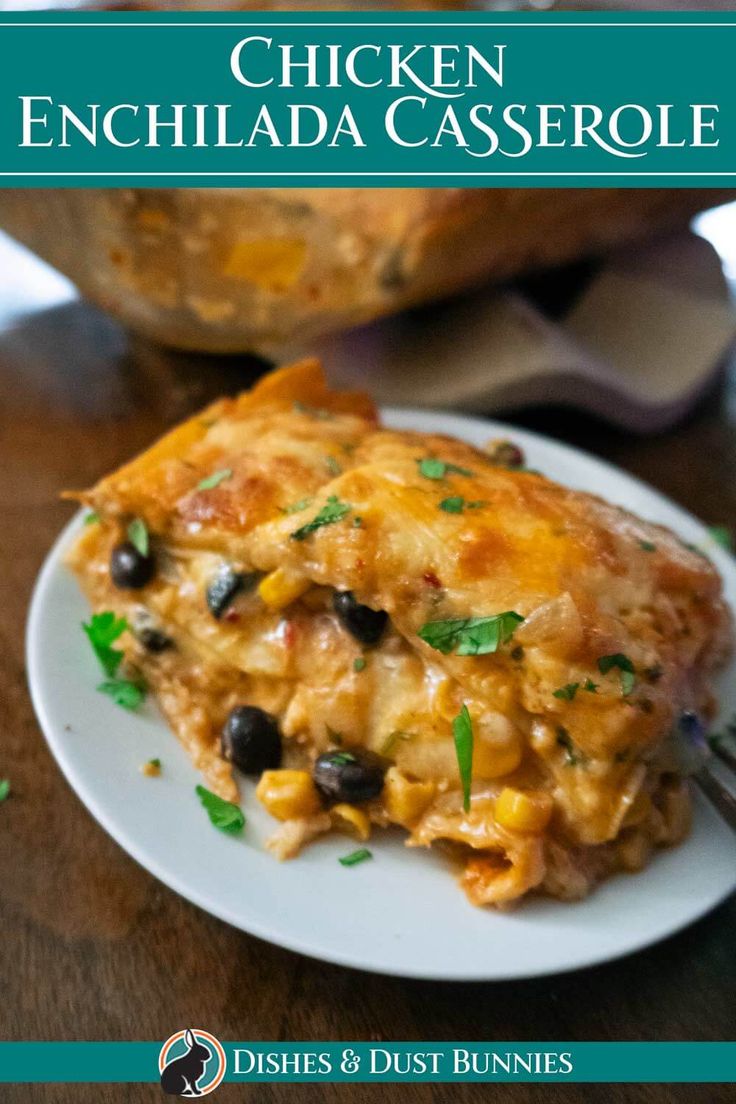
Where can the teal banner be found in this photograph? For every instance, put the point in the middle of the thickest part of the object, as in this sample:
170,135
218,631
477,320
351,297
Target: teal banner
331,98
364,1062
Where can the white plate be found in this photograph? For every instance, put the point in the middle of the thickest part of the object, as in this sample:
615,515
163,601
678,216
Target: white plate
402,913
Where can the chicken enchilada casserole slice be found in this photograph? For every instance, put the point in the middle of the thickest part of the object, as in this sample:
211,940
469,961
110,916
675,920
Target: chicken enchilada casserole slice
395,628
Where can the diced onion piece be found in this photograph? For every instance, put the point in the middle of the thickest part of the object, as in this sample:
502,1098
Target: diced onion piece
555,623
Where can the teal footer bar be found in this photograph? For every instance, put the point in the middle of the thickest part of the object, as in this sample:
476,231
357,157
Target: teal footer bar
105,1062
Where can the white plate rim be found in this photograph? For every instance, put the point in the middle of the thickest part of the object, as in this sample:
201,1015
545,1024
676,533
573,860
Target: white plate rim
454,424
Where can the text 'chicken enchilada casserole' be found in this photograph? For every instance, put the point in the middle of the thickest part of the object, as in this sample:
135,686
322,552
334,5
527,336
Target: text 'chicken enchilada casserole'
395,628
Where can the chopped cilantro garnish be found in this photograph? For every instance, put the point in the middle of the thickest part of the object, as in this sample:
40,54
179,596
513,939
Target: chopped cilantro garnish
392,740
332,465
357,522
462,731
647,546
572,755
4,788
124,692
590,686
102,631
91,518
138,536
155,763
721,535
214,480
625,666
431,468
343,757
470,635
297,506
567,692
223,814
359,664
355,857
332,511
456,504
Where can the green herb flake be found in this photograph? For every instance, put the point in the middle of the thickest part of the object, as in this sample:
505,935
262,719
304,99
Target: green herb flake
625,666
124,692
721,535
333,466
155,763
4,789
357,523
572,755
462,731
92,518
343,758
359,664
332,511
297,506
355,857
647,546
214,480
392,740
453,505
567,692
431,468
471,635
103,630
223,814
590,686
628,681
138,536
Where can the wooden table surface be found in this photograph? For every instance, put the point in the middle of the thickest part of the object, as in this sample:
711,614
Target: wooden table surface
93,947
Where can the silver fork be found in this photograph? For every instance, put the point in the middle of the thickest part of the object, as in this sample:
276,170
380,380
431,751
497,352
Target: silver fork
705,755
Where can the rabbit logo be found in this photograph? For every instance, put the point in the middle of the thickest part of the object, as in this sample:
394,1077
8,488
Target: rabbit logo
191,1063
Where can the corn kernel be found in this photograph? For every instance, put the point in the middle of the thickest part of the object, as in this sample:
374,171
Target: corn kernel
528,811
405,800
273,264
280,588
349,818
494,758
288,794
